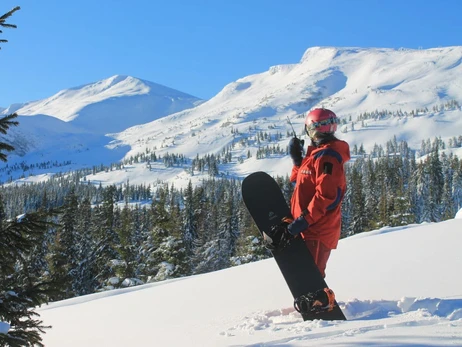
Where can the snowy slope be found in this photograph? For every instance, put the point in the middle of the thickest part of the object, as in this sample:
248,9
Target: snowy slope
110,105
348,80
397,287
44,138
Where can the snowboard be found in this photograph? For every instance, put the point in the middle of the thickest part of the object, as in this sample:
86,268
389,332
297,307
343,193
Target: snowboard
266,204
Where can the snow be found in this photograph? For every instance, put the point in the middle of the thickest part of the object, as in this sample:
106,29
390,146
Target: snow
397,286
102,96
122,116
459,214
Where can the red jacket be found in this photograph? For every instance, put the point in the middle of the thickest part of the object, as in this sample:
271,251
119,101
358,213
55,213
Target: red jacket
320,185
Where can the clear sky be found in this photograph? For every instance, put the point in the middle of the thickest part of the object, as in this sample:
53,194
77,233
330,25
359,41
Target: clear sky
198,46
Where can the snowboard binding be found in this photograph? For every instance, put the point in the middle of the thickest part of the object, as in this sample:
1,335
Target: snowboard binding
322,300
278,236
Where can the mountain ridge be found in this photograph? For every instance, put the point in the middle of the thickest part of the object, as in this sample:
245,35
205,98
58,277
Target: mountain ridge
82,104
351,81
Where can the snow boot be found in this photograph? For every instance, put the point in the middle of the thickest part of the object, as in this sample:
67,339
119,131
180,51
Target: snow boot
320,301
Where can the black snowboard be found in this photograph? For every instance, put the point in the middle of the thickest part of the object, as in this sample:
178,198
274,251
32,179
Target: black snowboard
267,206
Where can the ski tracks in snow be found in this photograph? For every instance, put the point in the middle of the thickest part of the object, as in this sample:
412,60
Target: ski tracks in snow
427,317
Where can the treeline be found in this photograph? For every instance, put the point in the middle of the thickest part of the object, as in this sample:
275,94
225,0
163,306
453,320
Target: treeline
450,105
108,237
98,243
24,166
394,189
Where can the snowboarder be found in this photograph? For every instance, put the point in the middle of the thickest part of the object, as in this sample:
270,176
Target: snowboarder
320,185
314,217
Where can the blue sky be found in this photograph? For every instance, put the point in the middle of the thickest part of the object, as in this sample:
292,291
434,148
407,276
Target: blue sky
198,46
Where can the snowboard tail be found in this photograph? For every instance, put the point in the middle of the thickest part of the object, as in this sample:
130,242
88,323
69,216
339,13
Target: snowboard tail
267,206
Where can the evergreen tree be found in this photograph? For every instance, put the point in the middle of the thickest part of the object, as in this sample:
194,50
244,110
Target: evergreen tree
3,23
359,223
456,165
228,231
126,248
249,246
86,282
5,123
59,266
21,291
63,253
401,209
371,195
173,262
422,192
105,236
436,186
190,212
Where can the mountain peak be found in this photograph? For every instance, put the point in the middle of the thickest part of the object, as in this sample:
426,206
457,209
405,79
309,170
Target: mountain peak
119,94
142,116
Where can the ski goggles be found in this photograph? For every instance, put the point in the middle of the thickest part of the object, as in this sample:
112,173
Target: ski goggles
319,124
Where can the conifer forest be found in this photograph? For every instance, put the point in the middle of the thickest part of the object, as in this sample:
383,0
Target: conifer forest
100,238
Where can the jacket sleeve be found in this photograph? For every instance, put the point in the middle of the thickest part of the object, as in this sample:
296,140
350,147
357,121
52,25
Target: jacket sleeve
293,175
329,184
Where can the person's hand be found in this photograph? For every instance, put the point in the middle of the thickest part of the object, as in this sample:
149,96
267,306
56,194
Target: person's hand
298,225
278,237
296,150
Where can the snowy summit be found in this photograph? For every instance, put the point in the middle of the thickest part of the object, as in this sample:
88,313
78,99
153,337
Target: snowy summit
120,117
110,105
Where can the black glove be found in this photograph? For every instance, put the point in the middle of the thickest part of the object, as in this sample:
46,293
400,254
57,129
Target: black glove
296,150
298,225
278,237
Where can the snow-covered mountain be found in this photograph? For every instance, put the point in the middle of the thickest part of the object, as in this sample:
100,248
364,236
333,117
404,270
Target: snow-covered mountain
107,121
349,81
397,287
110,105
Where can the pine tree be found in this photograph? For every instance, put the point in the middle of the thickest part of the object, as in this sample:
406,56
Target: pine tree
436,185
63,255
190,212
5,123
447,203
249,246
457,183
172,263
105,236
87,271
383,211
20,289
59,266
3,24
371,195
422,192
401,210
359,223
126,248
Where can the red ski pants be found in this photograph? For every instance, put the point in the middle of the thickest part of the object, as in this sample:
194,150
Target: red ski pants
320,254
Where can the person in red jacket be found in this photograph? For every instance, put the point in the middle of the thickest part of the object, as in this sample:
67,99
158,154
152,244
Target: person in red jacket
320,185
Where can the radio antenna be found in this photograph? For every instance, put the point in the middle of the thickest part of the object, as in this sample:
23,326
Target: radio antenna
295,134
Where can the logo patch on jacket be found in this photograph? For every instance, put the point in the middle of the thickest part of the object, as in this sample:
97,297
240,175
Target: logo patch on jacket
306,172
328,168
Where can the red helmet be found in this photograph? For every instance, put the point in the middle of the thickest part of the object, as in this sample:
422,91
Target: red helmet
320,120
